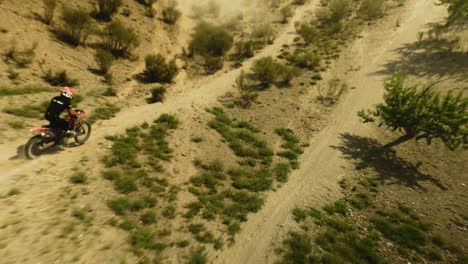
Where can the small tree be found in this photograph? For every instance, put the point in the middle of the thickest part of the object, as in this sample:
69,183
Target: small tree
107,8
157,70
266,71
104,59
421,113
77,25
49,10
286,12
119,39
210,40
458,11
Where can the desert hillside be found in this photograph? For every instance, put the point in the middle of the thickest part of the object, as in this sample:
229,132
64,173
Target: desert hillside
265,131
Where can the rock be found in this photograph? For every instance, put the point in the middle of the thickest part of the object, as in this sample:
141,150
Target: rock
389,244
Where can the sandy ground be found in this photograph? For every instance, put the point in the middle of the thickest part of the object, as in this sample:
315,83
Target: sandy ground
321,166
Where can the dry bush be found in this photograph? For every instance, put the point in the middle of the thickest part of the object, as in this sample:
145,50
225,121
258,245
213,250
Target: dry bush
263,32
21,58
157,94
104,59
77,26
119,39
330,94
288,73
170,12
245,49
210,9
49,10
305,59
339,9
105,9
213,64
308,32
286,12
266,71
247,94
371,9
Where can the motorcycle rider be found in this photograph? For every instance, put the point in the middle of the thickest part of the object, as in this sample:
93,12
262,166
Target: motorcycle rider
56,106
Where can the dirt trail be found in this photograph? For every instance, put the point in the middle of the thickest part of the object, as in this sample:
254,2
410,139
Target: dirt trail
322,166
192,94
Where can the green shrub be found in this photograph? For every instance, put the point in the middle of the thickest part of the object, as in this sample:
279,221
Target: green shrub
157,94
106,112
119,39
110,91
252,180
171,15
371,9
79,178
169,212
30,111
13,191
119,206
169,120
266,71
12,74
339,207
142,238
196,228
157,70
210,40
282,171
198,256
125,184
17,124
60,78
288,73
127,224
148,217
309,33
104,59
305,59
339,9
107,8
245,49
49,10
213,64
77,26
29,89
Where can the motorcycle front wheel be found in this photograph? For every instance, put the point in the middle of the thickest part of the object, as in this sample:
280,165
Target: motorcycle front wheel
83,132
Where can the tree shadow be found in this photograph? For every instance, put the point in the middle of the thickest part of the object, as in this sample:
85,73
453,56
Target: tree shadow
391,169
431,57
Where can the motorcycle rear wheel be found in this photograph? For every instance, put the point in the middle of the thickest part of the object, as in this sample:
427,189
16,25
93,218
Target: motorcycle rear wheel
32,148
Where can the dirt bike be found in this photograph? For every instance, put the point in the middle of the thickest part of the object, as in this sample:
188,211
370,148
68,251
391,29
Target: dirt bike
45,136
